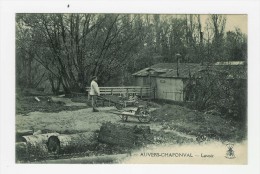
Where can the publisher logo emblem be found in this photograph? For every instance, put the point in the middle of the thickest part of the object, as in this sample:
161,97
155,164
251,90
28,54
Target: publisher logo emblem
230,153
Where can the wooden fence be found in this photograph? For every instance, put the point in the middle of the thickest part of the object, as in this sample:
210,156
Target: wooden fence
143,92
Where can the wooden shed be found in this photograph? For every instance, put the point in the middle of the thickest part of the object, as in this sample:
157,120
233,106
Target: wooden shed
168,79
172,81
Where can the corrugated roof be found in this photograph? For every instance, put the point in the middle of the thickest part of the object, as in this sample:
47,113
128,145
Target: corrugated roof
170,70
187,69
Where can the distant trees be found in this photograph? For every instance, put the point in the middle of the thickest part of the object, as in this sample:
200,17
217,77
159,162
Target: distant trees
67,49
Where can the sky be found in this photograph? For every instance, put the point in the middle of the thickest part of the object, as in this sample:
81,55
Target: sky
239,21
233,21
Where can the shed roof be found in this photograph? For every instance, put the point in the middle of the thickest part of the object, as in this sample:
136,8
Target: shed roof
170,70
189,69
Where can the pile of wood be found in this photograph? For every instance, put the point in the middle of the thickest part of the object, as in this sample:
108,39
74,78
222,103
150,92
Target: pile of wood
124,135
42,146
33,147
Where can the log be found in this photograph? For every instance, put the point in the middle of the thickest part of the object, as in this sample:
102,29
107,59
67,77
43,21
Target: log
105,159
124,135
21,133
24,132
37,145
73,143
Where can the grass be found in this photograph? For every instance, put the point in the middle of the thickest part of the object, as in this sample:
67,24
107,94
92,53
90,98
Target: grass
161,137
197,123
80,99
27,104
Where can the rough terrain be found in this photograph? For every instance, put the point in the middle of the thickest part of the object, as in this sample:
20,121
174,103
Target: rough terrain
171,125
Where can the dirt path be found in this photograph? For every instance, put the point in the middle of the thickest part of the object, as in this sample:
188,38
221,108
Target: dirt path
67,101
66,121
83,120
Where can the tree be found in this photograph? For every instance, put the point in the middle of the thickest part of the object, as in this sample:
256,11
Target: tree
67,49
74,47
29,73
218,23
236,45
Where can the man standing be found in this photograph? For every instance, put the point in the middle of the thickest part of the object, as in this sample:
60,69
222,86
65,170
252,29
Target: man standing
94,92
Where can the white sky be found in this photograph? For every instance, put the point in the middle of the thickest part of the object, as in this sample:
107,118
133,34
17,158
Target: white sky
233,21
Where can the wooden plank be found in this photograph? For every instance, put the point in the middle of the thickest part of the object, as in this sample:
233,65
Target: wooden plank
125,90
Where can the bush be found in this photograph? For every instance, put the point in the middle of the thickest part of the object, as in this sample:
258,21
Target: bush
216,92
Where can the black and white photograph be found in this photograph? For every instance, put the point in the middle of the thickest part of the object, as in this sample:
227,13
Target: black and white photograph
129,86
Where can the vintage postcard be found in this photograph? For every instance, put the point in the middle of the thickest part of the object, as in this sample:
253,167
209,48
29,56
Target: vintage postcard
129,87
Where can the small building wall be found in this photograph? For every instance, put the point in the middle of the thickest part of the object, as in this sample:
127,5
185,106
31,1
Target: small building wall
169,88
166,88
140,81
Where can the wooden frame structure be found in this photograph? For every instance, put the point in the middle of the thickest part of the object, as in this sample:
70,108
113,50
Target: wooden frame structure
143,92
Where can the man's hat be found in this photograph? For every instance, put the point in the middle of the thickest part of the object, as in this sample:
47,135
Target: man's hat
93,77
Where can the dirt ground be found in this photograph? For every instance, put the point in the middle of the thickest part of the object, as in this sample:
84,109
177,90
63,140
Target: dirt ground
168,128
82,120
170,119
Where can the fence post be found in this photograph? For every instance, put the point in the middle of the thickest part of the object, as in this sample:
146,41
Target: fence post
153,92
